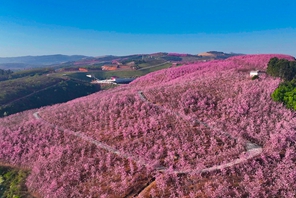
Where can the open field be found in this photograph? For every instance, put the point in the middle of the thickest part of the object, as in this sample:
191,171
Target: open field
119,73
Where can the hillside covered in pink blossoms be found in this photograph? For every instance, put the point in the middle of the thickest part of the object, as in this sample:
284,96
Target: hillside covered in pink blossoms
172,133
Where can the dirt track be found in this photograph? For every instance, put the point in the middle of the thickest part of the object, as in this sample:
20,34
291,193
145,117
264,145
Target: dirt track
252,149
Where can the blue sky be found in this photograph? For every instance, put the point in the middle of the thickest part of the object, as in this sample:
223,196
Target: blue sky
119,27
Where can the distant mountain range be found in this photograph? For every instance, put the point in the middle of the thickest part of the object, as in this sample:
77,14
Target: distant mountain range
22,62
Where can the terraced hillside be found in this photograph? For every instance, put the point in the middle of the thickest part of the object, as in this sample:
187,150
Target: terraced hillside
200,130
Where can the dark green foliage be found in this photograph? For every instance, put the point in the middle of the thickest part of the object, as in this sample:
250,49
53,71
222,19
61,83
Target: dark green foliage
32,89
8,74
5,74
12,183
282,68
272,67
59,92
14,89
139,61
31,72
286,93
255,77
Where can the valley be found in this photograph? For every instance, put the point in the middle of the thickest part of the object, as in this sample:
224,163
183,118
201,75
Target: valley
56,80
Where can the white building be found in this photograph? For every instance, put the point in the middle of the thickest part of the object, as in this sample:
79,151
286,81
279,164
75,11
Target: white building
255,73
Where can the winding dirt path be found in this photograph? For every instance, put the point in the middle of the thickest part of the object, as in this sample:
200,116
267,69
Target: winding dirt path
95,142
252,149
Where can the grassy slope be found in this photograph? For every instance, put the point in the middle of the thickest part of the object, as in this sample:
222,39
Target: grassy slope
32,90
14,89
60,92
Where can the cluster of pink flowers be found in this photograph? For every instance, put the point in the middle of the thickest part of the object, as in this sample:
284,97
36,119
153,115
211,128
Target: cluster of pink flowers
161,131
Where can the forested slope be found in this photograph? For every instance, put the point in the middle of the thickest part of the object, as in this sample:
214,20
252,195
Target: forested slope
33,88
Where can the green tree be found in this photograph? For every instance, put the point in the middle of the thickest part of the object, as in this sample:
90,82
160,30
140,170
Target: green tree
286,93
281,68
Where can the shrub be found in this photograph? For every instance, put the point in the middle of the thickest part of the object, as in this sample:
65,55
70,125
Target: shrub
255,77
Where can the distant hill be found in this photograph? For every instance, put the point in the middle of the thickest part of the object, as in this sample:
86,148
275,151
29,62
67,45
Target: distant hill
145,58
218,55
20,88
34,61
17,66
60,61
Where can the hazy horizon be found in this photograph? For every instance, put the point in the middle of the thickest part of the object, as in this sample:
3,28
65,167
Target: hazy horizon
111,54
